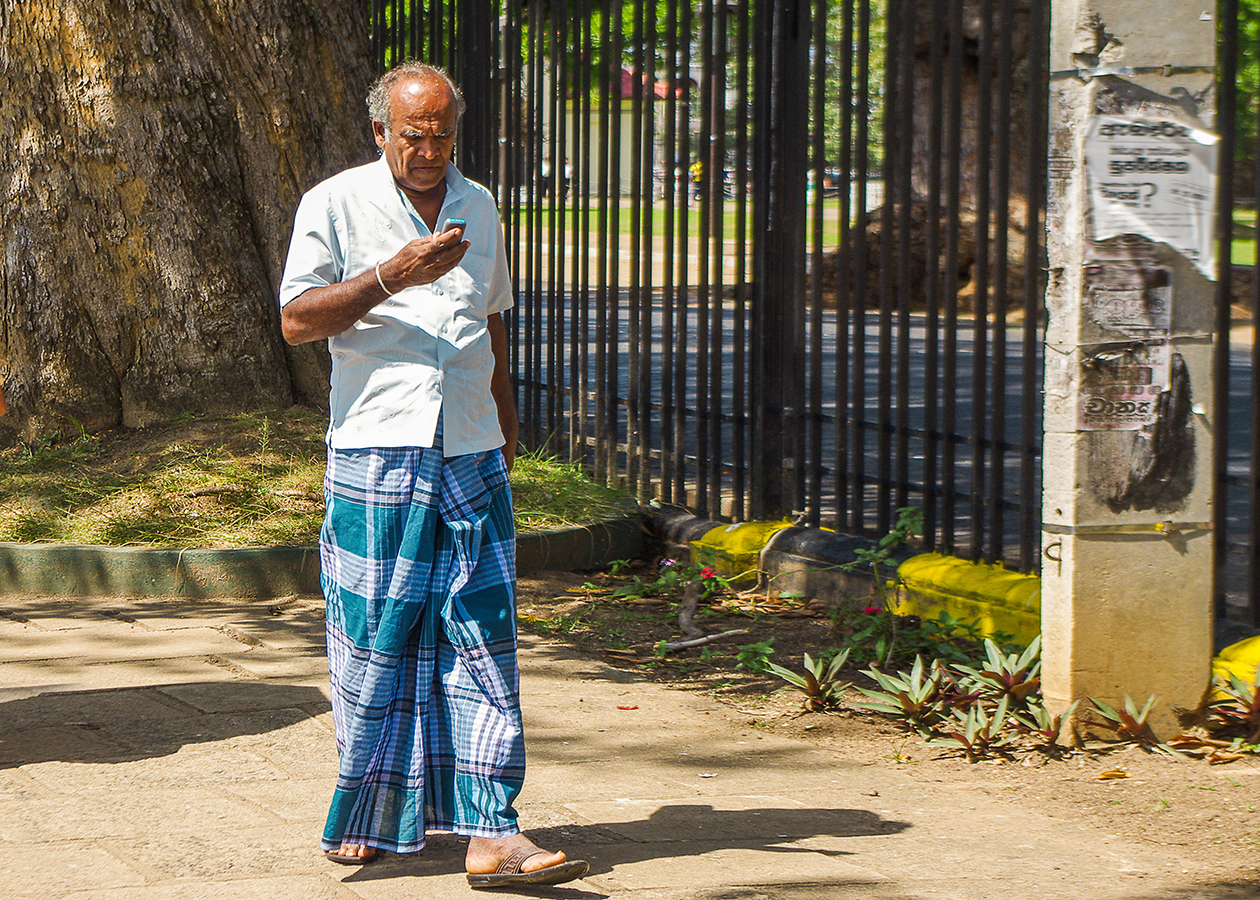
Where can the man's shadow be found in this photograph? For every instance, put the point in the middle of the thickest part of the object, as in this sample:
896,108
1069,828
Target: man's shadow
672,832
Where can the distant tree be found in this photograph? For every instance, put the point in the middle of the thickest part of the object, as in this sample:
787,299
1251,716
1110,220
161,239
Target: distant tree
156,150
1248,90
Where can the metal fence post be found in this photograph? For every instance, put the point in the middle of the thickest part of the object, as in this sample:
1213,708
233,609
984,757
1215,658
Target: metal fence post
781,159
476,68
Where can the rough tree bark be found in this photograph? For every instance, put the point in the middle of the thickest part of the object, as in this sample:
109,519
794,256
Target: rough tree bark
973,24
156,150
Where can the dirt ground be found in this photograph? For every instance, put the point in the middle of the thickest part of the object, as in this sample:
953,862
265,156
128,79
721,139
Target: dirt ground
1210,813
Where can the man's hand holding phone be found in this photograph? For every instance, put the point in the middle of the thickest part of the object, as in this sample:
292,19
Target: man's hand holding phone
452,223
426,259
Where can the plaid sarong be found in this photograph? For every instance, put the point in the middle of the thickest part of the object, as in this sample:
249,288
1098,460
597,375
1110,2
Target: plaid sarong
418,570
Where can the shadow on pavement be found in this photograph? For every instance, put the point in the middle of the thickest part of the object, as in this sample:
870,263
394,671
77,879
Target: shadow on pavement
693,829
113,726
670,832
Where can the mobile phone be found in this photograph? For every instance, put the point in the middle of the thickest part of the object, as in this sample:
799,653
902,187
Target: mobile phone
450,223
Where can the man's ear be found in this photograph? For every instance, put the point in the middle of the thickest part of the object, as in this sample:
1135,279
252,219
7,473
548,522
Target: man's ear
378,131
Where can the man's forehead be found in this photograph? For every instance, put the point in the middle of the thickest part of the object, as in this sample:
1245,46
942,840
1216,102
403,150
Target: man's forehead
423,99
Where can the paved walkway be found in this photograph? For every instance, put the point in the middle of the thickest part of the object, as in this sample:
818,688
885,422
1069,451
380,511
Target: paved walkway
176,750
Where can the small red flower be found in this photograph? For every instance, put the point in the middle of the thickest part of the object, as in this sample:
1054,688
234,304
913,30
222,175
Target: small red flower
708,572
873,610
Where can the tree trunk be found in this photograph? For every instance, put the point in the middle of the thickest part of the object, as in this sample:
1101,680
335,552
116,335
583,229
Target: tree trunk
156,152
973,24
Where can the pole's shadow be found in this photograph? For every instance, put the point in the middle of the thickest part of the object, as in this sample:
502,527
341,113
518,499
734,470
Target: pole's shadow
131,724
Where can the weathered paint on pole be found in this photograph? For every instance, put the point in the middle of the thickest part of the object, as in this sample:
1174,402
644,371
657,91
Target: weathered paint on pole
1127,543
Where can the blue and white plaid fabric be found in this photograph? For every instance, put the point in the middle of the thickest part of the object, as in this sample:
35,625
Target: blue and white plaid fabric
418,569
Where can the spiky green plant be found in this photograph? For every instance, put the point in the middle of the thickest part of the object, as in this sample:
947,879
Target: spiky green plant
1129,724
1040,724
1015,676
913,698
978,733
820,682
1237,712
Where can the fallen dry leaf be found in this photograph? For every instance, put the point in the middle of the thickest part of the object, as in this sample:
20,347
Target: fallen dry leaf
1112,773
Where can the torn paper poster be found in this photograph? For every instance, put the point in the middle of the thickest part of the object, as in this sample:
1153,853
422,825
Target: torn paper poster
1120,387
1156,178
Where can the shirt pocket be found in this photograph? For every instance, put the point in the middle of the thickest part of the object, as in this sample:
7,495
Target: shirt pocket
472,276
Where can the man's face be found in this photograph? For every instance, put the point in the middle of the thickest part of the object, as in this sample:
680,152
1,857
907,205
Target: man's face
419,143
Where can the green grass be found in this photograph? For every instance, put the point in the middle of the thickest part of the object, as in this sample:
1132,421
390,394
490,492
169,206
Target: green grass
1243,247
254,479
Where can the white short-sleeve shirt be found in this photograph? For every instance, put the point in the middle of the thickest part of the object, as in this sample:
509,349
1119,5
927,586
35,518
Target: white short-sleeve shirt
424,350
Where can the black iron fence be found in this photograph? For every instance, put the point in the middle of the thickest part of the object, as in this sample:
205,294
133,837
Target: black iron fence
1236,464
774,259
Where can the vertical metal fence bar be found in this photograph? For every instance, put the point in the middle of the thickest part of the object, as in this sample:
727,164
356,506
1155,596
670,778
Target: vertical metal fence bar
779,174
716,238
980,308
416,10
1252,459
682,295
704,339
646,198
1034,289
635,397
417,29
605,431
858,260
905,162
844,266
613,246
669,184
452,38
932,275
556,231
533,237
578,210
794,194
1230,40
1002,191
376,27
894,146
949,357
510,183
817,168
739,338
435,33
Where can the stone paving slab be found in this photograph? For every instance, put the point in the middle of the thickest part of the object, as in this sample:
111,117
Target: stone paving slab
61,869
69,674
110,641
305,886
208,775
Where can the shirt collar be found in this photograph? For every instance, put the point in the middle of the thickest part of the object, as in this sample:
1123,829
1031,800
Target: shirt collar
456,188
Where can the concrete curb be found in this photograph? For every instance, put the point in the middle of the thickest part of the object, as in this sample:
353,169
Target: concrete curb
809,560
77,570
794,559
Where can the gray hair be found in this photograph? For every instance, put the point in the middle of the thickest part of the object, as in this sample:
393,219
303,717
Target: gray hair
378,96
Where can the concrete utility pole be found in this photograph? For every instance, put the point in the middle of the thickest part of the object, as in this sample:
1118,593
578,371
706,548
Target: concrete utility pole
1127,545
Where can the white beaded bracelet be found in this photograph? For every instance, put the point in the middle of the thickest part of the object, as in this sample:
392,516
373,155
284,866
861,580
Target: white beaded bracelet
388,292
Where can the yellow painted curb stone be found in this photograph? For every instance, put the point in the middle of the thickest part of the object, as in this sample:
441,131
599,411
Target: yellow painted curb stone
1241,659
998,599
735,550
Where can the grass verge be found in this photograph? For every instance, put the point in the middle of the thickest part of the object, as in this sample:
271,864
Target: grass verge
255,479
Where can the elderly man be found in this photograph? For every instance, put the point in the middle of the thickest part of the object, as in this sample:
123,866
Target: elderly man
417,548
